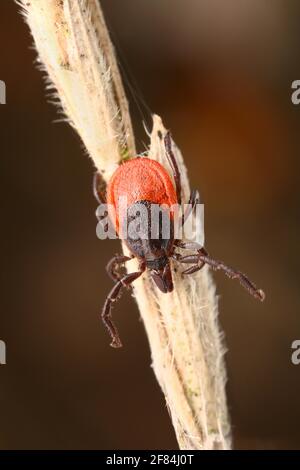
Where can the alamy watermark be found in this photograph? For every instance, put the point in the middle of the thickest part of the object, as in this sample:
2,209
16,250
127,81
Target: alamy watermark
2,92
145,220
2,352
295,97
295,357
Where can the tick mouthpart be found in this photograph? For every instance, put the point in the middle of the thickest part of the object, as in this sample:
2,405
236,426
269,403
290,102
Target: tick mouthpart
157,264
163,279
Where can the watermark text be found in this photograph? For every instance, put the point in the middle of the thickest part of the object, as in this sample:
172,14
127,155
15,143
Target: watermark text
295,357
2,92
143,220
2,352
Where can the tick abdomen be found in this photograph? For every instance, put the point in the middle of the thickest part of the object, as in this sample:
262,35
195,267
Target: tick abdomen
139,179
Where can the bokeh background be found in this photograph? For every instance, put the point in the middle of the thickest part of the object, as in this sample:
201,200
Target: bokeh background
220,74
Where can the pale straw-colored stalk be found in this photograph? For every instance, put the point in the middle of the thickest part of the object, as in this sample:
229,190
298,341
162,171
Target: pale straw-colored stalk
182,327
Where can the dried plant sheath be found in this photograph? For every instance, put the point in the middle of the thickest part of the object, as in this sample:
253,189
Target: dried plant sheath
182,327
75,50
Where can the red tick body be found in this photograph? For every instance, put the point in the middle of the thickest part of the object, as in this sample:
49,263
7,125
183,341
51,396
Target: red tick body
139,179
145,183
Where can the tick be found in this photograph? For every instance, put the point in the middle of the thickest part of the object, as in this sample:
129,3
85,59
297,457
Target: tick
145,182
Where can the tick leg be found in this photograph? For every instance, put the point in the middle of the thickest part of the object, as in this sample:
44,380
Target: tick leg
110,299
190,246
203,258
194,269
98,184
114,264
192,259
99,193
194,197
193,200
189,259
174,166
234,274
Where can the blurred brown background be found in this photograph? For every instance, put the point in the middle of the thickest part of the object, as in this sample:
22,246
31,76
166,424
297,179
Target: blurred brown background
220,75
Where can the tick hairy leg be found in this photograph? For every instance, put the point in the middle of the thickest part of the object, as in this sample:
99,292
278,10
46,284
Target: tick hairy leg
173,164
190,246
116,262
189,259
98,185
193,201
202,258
100,197
110,299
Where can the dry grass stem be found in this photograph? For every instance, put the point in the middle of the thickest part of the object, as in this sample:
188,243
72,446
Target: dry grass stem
182,327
